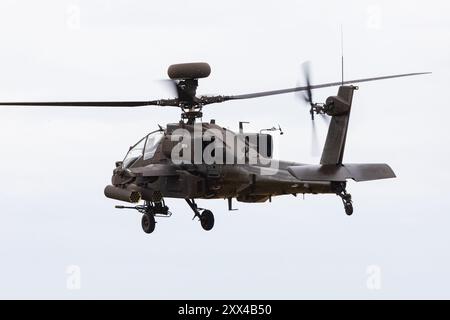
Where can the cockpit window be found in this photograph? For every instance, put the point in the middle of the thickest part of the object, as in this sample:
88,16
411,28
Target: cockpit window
152,144
135,153
146,148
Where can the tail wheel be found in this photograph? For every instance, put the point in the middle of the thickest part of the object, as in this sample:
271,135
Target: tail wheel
349,208
148,223
207,220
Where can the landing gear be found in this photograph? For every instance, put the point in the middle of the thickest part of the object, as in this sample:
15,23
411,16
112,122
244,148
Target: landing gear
150,210
348,209
207,220
158,208
148,223
205,216
340,190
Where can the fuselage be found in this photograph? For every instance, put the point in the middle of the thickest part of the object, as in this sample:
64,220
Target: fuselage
150,166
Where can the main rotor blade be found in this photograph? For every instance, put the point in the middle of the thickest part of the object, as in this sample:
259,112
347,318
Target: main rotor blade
204,99
317,86
170,85
169,102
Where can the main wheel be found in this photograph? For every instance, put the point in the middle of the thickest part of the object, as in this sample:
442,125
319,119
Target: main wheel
349,209
148,223
207,220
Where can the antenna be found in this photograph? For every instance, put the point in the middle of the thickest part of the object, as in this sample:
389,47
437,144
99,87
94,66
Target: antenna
342,55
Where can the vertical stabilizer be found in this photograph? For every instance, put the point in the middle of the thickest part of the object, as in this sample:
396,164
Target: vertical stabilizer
340,106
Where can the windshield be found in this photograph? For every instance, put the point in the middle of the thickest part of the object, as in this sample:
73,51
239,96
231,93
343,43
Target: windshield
134,154
153,140
145,148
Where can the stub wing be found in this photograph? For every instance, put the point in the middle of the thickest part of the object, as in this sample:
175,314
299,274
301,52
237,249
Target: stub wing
355,171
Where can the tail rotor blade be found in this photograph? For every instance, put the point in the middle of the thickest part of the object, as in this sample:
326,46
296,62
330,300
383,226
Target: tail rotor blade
314,140
325,118
307,75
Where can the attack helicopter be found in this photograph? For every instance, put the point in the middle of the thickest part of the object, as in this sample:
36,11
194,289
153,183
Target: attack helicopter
193,160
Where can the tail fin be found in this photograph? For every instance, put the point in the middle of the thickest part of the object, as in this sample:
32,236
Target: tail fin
331,167
333,150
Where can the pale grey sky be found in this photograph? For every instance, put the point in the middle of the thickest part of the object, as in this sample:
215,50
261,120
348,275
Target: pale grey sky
56,162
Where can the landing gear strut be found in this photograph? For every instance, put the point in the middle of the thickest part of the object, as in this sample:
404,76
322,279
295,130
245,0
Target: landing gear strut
340,190
149,211
158,208
205,216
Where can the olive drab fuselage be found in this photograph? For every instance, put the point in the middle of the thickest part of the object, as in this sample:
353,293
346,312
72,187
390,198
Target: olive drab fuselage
247,182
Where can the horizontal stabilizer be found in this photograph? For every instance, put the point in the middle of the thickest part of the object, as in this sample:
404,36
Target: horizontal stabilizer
355,171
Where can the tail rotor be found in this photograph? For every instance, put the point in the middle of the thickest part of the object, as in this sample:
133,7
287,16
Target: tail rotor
314,108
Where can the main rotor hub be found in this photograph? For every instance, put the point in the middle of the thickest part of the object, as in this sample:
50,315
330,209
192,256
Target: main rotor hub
185,77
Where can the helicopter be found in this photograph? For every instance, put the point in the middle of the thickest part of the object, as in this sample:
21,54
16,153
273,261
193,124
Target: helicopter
193,160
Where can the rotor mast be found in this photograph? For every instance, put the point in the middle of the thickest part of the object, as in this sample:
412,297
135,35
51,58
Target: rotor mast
185,79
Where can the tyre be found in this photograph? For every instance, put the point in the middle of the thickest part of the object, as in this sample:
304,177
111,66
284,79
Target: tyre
148,223
207,220
349,209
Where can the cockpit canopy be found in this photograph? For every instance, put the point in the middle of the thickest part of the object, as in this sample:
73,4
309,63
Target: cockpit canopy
240,148
145,148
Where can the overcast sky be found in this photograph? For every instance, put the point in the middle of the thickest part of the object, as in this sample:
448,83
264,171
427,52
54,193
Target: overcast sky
56,223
